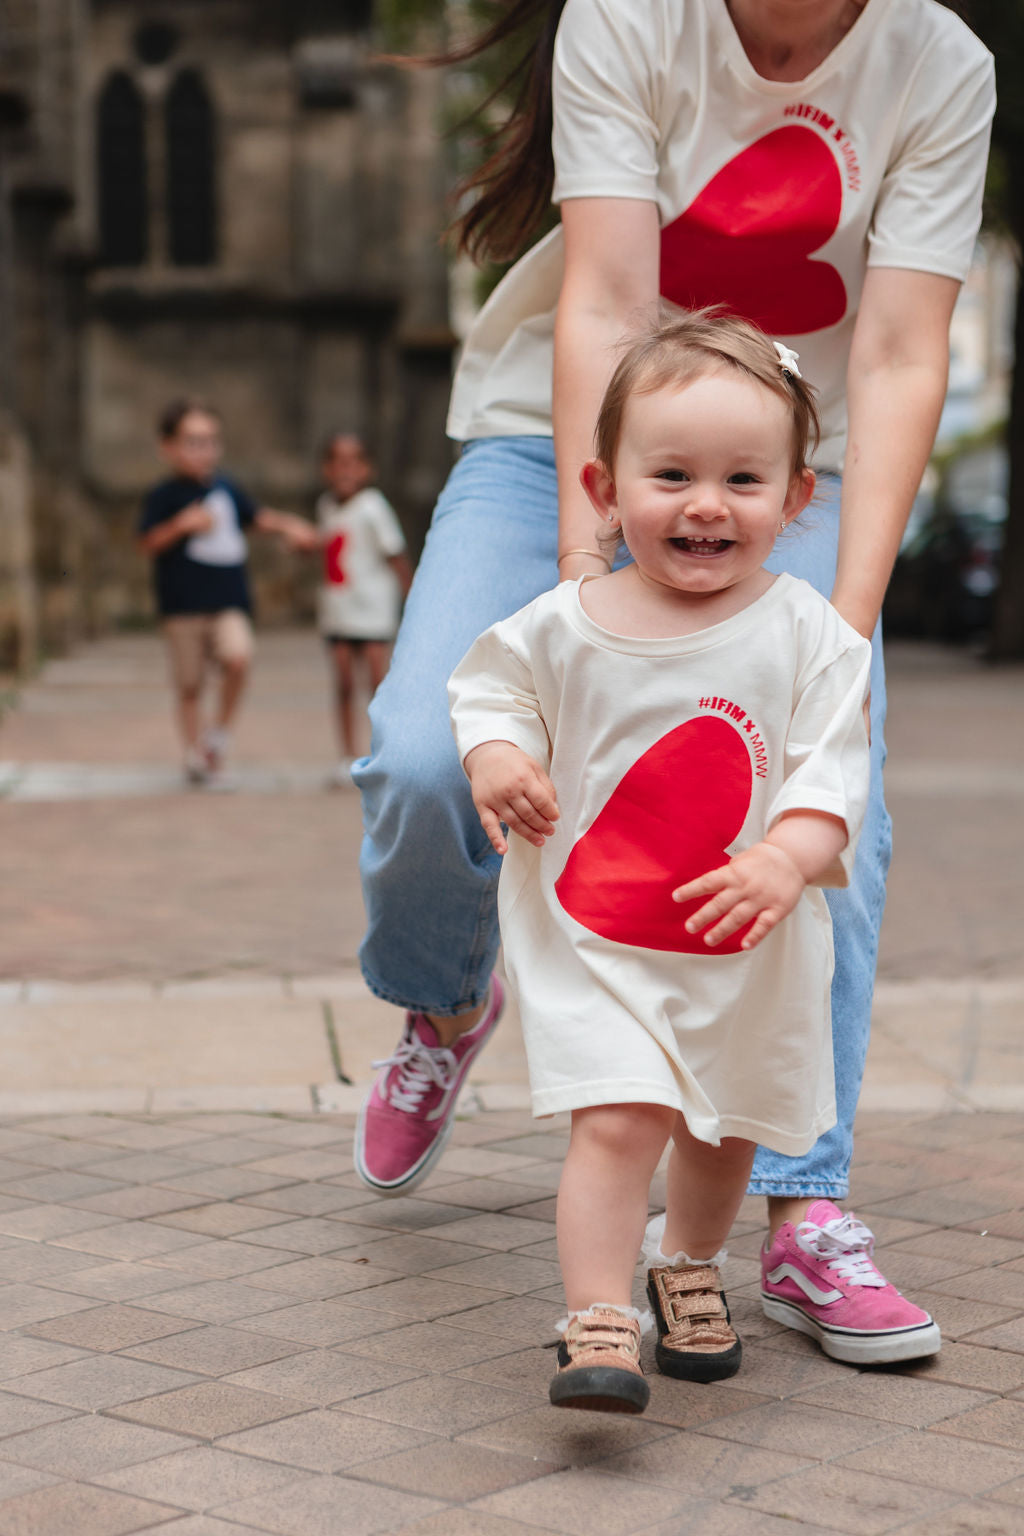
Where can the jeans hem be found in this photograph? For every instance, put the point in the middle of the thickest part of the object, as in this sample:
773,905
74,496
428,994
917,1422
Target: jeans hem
790,1191
443,1011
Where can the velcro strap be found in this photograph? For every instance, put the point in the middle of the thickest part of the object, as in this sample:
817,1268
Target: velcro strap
679,1280
681,1307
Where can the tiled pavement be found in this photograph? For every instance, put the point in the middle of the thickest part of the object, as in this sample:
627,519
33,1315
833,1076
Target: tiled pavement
208,1327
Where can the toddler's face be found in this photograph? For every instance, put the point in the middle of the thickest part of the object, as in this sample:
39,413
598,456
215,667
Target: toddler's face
195,448
703,481
346,468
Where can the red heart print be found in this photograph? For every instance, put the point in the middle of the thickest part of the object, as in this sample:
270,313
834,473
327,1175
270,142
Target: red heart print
746,240
334,565
669,819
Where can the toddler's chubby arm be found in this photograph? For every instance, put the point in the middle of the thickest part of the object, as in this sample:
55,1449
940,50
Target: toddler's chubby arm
764,883
509,786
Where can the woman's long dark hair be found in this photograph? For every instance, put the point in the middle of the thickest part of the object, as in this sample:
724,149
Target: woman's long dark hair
511,191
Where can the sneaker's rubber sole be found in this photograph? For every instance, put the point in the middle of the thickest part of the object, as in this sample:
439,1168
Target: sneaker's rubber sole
690,1364
856,1348
601,1389
415,1175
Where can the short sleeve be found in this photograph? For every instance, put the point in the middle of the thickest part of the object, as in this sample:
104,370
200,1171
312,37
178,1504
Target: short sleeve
155,509
244,504
493,696
604,91
387,530
827,753
928,210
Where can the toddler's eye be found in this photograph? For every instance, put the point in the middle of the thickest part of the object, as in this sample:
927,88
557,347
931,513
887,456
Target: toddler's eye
675,475
743,478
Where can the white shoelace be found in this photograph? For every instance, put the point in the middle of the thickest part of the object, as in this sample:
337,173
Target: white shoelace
846,1245
419,1067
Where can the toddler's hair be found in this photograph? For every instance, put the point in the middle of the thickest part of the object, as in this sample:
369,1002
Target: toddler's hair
173,414
341,436
684,345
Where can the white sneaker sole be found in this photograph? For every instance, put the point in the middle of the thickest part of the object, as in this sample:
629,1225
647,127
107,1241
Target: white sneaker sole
856,1348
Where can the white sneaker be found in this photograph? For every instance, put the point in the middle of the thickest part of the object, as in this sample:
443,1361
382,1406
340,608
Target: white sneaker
195,767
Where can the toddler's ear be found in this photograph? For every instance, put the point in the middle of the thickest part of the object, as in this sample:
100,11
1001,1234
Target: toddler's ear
801,489
600,487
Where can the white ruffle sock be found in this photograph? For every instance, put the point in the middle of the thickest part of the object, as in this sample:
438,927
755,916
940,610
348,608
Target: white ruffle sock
650,1250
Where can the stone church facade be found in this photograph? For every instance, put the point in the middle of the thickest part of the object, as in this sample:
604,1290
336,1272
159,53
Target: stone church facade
229,198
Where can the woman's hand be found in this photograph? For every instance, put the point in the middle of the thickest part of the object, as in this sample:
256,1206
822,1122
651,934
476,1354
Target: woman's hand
508,786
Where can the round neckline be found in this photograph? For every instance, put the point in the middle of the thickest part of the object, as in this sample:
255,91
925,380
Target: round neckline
741,65
672,645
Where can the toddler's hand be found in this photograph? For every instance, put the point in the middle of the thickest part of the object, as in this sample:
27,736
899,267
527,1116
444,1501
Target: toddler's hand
762,884
300,536
510,787
196,518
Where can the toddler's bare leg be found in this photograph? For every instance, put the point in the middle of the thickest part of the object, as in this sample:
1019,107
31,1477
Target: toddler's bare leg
234,675
188,716
378,656
602,1198
705,1189
342,656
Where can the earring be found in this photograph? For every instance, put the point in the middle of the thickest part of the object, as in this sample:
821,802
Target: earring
782,525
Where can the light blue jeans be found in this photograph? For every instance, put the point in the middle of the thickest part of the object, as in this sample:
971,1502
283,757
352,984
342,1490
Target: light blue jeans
429,873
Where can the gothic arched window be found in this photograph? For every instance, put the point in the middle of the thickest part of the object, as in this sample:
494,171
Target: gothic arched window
191,150
121,173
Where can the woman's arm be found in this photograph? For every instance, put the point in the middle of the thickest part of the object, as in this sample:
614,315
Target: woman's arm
612,254
896,384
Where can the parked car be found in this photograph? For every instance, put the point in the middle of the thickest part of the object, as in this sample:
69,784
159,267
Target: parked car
947,570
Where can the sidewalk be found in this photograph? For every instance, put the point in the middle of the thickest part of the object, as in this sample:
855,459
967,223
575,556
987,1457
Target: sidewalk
167,950
209,1328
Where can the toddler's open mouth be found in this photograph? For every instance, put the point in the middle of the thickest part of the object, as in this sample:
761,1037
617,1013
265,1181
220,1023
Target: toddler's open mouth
702,546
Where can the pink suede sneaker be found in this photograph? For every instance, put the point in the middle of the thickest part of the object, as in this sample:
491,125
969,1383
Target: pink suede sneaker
819,1278
407,1116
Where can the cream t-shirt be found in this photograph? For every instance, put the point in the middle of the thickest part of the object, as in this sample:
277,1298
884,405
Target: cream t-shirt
773,197
360,598
667,757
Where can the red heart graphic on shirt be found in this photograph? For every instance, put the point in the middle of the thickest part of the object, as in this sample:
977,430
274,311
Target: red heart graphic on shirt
334,565
669,819
746,240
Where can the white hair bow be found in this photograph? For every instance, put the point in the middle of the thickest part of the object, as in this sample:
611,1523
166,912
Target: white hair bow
788,358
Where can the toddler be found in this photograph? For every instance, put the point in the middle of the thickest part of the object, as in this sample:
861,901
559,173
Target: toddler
366,575
680,749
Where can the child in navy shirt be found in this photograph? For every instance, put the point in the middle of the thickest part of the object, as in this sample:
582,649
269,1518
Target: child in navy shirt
193,526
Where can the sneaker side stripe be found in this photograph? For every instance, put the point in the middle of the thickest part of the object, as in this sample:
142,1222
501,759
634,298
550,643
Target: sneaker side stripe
810,1290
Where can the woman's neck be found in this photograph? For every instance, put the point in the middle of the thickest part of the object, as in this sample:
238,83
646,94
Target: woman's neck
788,39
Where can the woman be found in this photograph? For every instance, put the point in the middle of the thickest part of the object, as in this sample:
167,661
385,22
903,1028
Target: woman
816,165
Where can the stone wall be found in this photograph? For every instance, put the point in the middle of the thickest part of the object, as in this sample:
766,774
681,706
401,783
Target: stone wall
324,306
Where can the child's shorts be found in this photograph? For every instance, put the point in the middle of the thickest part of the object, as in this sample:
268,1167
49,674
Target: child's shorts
194,639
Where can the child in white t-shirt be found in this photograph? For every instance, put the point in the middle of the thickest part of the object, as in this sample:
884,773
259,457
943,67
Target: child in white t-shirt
366,573
680,746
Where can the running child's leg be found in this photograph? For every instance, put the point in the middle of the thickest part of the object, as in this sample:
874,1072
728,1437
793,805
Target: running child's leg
696,1339
602,1207
378,656
343,678
185,652
602,1198
705,1188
